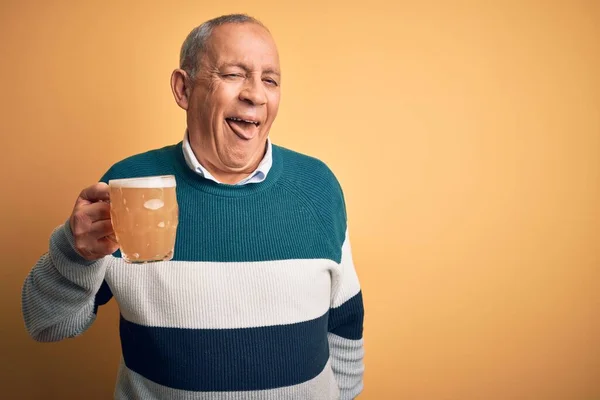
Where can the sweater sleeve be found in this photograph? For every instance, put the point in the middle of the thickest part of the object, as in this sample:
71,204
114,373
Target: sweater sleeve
345,331
61,293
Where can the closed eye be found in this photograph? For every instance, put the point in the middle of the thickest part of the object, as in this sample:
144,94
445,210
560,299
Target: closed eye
233,76
271,82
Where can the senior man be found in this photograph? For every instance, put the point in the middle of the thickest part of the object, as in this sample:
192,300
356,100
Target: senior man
261,299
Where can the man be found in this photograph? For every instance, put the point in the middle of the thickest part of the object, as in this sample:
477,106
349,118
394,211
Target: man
261,299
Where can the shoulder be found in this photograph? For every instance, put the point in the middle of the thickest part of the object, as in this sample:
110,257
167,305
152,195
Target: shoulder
308,171
313,182
152,162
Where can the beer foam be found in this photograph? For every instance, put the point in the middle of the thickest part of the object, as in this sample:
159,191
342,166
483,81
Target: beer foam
153,182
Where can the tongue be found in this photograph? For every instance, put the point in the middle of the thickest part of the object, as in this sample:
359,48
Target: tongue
244,129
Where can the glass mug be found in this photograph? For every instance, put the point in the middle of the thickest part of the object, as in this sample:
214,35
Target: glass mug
144,215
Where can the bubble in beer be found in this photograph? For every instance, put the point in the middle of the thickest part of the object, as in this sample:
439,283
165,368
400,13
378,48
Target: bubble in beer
154,204
161,224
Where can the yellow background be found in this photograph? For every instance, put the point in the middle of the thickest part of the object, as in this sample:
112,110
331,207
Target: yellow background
466,136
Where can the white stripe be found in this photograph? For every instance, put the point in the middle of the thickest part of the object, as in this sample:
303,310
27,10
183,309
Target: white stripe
345,282
347,362
220,295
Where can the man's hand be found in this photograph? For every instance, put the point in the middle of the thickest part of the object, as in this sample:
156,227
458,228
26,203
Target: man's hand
91,225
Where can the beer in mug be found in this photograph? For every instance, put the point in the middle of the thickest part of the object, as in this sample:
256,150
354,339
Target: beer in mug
144,214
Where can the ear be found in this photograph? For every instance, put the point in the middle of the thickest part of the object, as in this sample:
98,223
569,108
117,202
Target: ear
180,88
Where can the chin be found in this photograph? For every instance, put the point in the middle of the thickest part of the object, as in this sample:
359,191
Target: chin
236,163
241,153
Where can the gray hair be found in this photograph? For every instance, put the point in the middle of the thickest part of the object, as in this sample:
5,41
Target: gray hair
195,43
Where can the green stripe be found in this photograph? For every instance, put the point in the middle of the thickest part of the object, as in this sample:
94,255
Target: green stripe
297,212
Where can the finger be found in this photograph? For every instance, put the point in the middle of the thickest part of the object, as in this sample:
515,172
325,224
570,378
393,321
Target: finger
85,215
91,194
96,211
101,229
106,247
97,249
112,237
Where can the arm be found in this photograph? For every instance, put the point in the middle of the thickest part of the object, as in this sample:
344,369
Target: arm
61,293
346,327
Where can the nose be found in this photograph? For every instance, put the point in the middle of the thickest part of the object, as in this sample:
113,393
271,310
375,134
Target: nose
253,92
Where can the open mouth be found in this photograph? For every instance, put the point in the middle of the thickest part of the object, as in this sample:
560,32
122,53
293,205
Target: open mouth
243,128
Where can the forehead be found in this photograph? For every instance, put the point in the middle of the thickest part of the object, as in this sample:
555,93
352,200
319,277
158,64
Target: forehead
246,43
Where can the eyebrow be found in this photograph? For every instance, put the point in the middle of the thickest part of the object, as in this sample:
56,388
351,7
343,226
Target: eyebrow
272,71
268,70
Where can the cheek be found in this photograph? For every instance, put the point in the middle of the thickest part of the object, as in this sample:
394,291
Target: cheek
273,106
214,99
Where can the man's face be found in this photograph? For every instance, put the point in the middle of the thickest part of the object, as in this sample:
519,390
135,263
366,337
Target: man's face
235,97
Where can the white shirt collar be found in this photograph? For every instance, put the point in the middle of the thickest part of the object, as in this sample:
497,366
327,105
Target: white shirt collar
258,175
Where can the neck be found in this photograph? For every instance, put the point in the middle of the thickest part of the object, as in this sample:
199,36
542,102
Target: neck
224,175
227,176
192,178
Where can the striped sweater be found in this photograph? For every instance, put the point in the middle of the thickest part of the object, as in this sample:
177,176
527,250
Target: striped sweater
261,299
